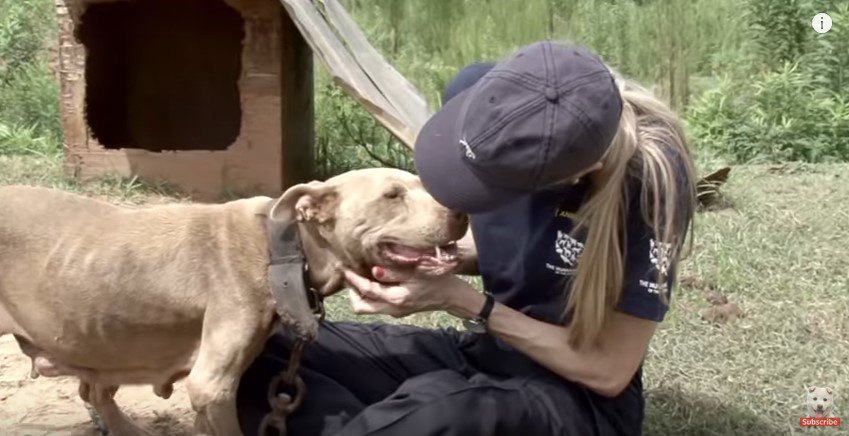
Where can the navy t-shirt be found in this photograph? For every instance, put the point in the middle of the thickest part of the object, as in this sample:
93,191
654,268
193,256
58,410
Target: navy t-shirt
528,255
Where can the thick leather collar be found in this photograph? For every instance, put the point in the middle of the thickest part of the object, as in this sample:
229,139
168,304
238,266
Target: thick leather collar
288,270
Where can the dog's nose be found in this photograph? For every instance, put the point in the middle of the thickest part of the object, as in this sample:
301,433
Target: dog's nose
458,222
457,217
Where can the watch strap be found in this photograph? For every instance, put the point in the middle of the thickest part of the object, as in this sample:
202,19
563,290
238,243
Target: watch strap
488,305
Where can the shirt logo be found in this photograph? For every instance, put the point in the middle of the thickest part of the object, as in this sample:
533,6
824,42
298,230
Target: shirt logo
568,248
659,255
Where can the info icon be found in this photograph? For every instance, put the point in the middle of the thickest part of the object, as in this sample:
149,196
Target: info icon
821,22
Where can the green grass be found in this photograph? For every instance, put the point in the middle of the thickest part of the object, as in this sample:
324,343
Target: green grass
780,253
47,171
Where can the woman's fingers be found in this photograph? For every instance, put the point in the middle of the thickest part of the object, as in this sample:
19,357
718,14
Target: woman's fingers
372,297
425,269
366,288
355,280
362,285
360,305
387,275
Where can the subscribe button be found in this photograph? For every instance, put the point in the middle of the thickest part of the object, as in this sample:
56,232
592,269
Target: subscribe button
819,422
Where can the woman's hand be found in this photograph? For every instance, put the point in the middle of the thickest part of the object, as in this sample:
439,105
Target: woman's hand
412,296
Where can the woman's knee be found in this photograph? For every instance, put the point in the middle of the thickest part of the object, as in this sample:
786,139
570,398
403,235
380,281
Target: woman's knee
446,404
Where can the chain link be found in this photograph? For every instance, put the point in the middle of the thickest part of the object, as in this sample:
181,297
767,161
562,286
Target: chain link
282,404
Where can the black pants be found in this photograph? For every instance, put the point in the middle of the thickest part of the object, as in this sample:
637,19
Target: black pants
381,379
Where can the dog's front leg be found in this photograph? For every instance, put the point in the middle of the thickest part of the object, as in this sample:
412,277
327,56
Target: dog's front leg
231,339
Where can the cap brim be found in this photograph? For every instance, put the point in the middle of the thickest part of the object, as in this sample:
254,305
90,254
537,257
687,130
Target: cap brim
441,165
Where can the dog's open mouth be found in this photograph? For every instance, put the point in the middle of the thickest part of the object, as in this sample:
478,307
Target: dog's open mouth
405,255
400,262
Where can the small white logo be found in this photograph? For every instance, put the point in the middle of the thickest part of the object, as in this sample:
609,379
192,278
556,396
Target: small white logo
653,287
659,255
568,248
821,22
469,153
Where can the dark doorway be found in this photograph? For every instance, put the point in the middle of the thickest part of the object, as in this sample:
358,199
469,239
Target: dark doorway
163,74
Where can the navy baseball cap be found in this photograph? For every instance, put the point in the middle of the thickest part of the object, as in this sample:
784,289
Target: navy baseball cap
508,129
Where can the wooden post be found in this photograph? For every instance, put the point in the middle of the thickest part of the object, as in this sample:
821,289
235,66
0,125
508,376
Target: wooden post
297,109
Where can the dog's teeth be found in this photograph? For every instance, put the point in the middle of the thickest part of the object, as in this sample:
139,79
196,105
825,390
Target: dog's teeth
438,252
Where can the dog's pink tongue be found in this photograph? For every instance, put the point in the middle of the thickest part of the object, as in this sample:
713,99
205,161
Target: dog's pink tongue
818,414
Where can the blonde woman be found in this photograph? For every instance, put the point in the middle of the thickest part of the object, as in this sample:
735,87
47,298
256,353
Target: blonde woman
580,190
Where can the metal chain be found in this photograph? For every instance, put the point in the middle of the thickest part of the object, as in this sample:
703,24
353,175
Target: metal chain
282,404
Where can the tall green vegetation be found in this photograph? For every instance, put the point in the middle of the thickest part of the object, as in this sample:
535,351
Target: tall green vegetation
29,120
752,78
673,45
792,103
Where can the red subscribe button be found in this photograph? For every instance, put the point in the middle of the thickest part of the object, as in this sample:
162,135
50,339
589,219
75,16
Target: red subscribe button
819,422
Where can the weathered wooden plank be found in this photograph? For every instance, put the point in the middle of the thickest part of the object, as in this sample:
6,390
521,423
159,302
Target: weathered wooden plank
396,127
403,96
330,50
297,113
344,69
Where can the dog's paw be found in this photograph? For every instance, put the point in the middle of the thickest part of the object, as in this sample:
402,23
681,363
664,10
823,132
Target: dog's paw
95,419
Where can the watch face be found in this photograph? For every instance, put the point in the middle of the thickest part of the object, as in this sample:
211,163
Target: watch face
474,326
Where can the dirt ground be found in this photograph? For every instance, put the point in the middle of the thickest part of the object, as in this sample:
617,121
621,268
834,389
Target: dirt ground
51,406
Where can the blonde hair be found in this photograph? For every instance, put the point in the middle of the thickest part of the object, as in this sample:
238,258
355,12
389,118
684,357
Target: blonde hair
649,146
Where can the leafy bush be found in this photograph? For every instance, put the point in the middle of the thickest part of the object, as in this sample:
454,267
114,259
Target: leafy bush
797,111
778,29
347,137
31,98
25,26
779,116
17,139
827,57
28,91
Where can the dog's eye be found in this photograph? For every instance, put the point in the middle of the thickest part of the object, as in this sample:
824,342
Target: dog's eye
815,398
393,192
825,399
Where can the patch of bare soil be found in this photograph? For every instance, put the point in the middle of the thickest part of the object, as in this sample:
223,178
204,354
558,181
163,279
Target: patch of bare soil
721,311
51,406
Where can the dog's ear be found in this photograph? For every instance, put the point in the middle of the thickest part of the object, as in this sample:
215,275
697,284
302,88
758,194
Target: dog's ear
828,390
313,201
812,388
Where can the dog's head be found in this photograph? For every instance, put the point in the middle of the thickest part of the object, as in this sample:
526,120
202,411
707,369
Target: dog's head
819,401
376,216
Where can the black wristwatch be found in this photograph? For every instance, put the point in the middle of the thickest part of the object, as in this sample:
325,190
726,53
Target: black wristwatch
478,324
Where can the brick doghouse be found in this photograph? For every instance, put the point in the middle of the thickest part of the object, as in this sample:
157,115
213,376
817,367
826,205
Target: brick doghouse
213,96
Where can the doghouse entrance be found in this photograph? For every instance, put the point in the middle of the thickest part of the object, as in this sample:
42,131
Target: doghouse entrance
163,74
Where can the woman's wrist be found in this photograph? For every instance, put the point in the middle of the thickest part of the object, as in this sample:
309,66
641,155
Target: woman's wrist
466,302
